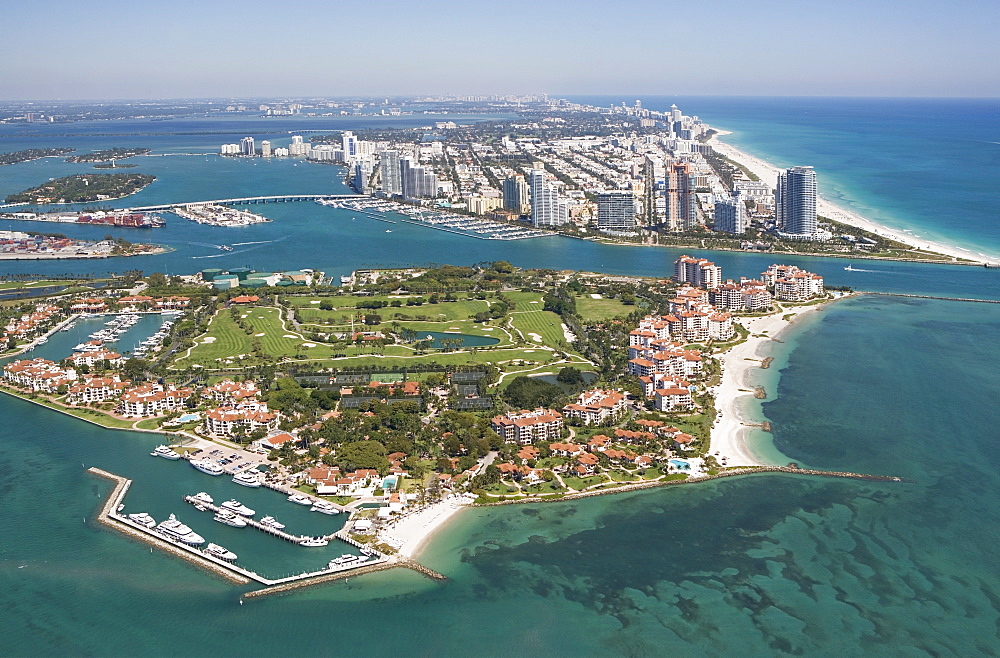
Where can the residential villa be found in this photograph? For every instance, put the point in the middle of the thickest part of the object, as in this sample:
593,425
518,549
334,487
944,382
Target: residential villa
153,400
596,406
38,375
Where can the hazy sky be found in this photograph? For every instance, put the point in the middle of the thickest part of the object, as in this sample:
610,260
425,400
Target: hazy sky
197,48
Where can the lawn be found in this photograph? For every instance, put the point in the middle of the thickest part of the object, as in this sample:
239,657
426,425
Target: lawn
581,484
345,306
601,310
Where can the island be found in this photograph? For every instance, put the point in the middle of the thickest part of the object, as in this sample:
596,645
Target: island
32,154
108,155
21,245
83,188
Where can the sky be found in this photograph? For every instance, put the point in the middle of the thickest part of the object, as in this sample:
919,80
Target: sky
61,49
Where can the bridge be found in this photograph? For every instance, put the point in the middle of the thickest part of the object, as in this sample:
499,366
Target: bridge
279,198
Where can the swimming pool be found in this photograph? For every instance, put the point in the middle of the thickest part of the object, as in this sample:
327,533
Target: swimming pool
187,418
680,464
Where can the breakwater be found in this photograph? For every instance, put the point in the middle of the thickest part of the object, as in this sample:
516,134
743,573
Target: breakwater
945,299
652,484
385,565
109,517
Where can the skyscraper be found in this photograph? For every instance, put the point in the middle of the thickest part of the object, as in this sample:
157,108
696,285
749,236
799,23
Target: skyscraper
246,146
515,194
547,208
265,149
795,202
417,181
298,147
731,214
616,211
349,144
392,183
681,213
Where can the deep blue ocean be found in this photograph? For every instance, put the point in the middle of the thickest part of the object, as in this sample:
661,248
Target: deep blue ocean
761,565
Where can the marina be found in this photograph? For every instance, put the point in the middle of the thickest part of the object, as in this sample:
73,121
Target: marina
476,227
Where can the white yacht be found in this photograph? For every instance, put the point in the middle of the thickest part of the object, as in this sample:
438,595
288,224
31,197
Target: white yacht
220,552
237,507
272,522
299,499
166,452
203,497
177,531
229,518
324,508
247,478
312,542
142,519
347,560
206,466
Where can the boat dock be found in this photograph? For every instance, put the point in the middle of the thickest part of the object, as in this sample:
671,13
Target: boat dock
109,515
253,523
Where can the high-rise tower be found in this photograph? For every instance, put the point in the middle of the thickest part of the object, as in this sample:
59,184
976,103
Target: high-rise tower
795,202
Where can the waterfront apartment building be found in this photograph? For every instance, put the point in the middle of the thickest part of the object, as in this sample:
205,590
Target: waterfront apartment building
747,295
795,202
731,214
298,148
349,144
392,182
418,181
361,175
697,272
680,210
548,208
524,427
224,421
792,284
153,400
515,194
246,146
616,211
265,149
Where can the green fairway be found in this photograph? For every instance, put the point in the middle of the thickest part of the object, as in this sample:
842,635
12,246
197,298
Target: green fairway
345,306
544,324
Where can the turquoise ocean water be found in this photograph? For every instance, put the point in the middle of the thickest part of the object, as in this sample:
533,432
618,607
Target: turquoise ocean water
761,565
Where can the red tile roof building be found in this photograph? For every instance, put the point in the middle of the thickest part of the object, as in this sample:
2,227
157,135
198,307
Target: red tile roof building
153,400
526,427
595,406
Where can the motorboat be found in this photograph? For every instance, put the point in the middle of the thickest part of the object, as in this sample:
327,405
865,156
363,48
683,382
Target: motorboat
175,530
203,497
272,522
347,560
237,507
206,466
230,518
220,552
313,542
247,478
299,499
324,508
142,519
166,452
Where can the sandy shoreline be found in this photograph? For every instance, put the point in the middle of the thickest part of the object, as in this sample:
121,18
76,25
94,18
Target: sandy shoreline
729,435
410,533
769,174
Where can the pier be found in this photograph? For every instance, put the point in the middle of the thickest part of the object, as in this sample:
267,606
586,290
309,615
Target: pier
253,523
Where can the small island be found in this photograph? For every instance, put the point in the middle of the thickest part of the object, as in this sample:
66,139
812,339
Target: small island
113,165
83,188
32,154
108,155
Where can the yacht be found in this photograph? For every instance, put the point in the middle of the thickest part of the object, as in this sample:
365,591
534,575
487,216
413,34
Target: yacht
324,508
229,518
272,522
206,466
311,542
220,552
237,507
299,499
247,478
203,497
166,452
177,531
142,519
347,559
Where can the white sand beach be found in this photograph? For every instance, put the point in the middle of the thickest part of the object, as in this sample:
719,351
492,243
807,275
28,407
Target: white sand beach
769,174
729,435
410,532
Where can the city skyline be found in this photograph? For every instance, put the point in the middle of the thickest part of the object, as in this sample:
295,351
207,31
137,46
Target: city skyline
779,49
